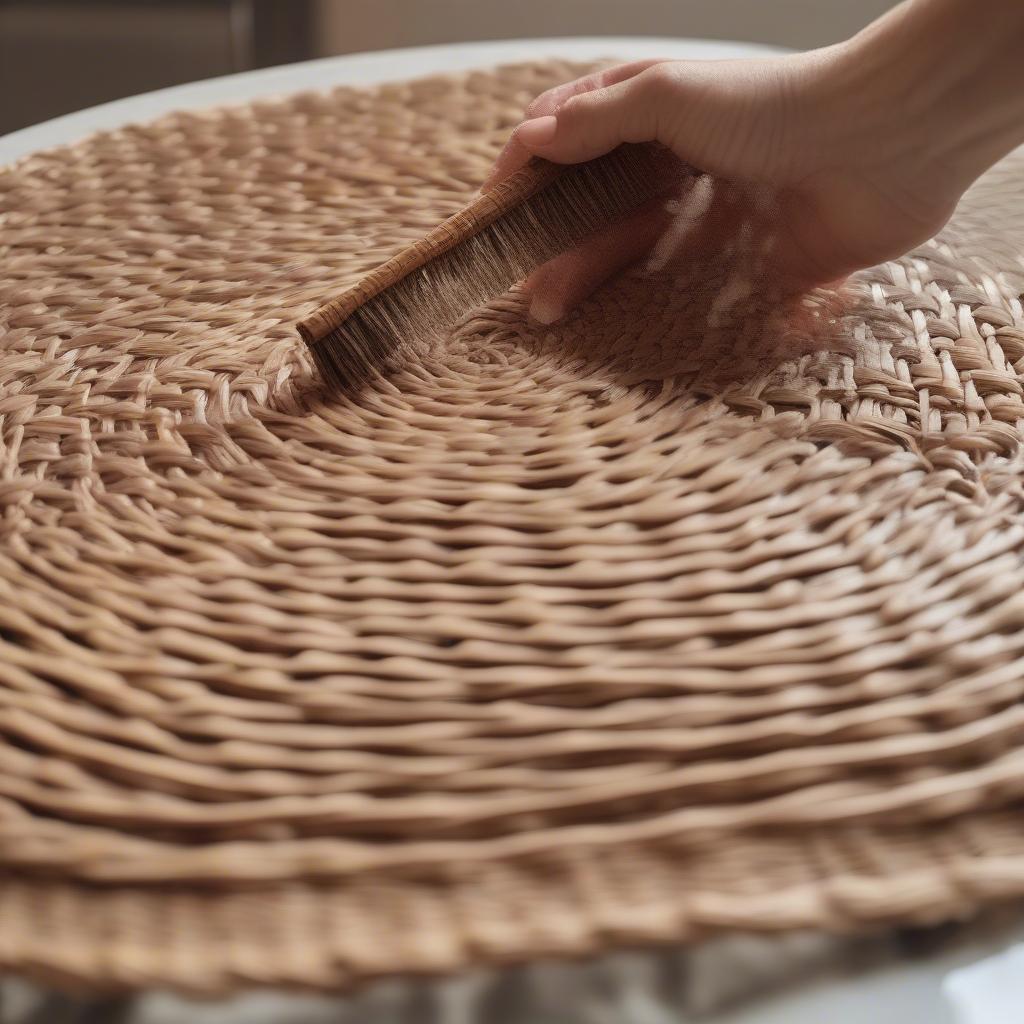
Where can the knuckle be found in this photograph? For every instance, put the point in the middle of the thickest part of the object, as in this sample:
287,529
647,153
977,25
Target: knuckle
659,82
578,106
658,100
536,105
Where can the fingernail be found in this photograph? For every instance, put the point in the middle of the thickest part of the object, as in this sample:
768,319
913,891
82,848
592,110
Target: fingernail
545,310
537,132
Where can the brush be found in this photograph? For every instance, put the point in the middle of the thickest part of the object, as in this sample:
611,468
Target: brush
476,255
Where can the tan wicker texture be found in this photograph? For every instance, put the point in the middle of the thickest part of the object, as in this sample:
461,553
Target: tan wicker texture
543,645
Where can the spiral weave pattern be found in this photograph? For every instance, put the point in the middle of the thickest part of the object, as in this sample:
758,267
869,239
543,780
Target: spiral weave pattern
548,642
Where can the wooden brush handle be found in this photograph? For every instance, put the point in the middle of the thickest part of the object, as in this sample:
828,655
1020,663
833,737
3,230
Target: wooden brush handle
485,209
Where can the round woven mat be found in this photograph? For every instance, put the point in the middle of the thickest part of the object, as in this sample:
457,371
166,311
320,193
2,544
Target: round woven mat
541,645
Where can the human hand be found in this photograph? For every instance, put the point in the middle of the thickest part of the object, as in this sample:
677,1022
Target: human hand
857,168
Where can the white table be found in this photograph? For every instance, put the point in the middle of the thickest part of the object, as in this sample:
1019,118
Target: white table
892,996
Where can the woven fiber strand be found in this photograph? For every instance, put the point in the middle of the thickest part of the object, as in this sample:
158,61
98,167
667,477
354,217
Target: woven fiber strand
541,645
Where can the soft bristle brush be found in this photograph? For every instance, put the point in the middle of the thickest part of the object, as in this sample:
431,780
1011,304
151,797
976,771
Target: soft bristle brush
477,254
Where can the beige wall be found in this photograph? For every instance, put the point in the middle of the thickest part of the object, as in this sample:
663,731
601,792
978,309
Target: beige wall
350,25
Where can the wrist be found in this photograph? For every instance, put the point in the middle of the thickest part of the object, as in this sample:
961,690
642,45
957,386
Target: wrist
936,83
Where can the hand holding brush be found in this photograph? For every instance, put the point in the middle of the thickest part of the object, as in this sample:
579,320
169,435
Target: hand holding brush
858,152
864,147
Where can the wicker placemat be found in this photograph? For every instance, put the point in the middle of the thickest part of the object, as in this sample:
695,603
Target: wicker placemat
541,646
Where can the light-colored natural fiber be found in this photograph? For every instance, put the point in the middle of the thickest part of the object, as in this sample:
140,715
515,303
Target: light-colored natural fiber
469,220
543,644
475,256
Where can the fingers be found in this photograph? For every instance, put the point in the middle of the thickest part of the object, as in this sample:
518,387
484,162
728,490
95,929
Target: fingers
510,159
548,102
515,154
564,282
590,124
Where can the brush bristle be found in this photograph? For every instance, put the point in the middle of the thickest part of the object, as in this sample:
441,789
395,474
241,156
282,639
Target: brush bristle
431,299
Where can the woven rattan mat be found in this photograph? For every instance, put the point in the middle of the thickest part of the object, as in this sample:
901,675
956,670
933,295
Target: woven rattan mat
543,645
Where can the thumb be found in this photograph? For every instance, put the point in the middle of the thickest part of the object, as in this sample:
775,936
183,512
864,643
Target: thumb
591,124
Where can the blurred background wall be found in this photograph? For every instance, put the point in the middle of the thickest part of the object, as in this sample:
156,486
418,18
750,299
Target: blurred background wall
61,55
376,24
